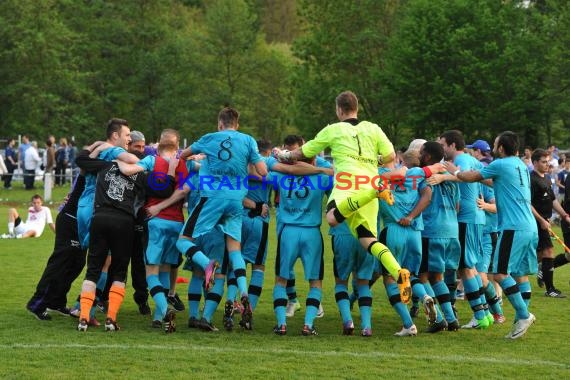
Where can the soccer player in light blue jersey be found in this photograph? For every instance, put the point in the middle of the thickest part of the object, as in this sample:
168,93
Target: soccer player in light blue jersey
490,235
163,229
403,224
351,257
322,166
471,220
515,255
228,153
254,234
440,237
299,237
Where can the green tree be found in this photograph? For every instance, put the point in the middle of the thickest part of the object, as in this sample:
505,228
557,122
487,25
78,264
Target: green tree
342,49
42,88
476,66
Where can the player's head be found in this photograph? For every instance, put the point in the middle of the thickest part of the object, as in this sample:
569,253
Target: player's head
137,143
346,105
118,132
540,160
292,142
452,142
411,158
228,118
506,144
169,140
37,202
431,153
264,146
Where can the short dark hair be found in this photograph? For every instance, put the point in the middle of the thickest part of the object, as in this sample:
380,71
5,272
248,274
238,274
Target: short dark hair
263,145
537,154
229,117
37,196
435,151
115,125
292,140
510,143
347,101
454,136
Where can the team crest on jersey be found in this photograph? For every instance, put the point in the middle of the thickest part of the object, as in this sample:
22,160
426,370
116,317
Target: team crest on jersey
118,184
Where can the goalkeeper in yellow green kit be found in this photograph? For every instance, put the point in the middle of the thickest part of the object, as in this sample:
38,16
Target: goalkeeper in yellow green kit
357,147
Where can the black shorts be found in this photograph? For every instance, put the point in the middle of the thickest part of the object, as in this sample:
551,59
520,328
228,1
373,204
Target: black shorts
544,240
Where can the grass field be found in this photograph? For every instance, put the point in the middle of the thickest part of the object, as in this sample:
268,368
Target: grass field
54,349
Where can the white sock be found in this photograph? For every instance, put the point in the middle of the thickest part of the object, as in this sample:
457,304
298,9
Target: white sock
11,228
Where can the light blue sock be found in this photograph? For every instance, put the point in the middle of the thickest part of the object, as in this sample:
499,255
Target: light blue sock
190,250
514,295
157,293
195,295
255,286
418,289
430,292
213,299
471,288
280,304
394,297
442,294
313,302
365,306
231,293
238,263
524,288
342,301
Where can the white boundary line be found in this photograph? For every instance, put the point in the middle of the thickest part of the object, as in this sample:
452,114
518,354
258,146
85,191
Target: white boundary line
370,355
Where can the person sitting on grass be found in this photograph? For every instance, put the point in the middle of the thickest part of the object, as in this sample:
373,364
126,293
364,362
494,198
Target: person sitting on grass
38,217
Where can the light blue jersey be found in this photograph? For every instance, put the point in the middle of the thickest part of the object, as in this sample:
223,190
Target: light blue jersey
491,220
301,199
194,195
320,162
440,216
223,172
147,163
511,182
406,196
468,211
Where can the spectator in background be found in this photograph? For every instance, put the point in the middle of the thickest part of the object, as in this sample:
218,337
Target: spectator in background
71,161
527,158
61,161
481,151
553,152
49,156
24,145
11,162
561,179
32,161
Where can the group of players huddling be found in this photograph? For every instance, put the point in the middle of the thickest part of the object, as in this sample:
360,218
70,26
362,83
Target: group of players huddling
438,218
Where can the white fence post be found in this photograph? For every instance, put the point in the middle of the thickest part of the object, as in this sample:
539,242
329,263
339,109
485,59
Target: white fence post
48,184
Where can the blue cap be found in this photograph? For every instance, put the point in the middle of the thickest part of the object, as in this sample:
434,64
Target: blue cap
481,145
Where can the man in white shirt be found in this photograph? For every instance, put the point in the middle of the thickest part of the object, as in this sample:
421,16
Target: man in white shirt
38,217
32,161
